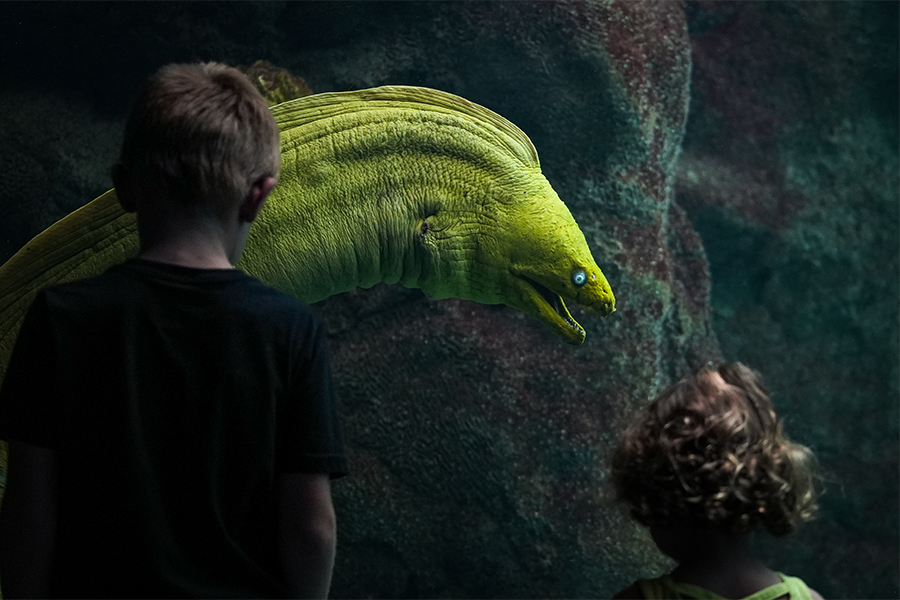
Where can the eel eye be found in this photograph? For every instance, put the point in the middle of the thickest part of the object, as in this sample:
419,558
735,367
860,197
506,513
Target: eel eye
579,277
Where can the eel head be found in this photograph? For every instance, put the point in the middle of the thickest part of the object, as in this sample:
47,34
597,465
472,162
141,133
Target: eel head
524,249
550,263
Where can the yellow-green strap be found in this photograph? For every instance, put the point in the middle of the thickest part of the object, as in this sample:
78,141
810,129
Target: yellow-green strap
665,587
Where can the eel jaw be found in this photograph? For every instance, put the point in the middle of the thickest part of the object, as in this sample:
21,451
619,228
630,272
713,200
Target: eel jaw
550,308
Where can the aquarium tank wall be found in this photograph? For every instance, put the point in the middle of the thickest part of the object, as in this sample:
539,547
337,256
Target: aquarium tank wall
734,169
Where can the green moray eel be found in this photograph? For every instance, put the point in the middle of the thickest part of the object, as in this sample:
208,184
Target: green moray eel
391,184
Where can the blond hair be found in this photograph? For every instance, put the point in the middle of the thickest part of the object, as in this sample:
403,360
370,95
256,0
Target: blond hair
198,136
712,449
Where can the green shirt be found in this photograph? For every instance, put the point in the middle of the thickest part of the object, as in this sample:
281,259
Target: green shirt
667,588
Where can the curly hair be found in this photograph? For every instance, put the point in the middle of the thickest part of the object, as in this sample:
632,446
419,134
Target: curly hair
711,448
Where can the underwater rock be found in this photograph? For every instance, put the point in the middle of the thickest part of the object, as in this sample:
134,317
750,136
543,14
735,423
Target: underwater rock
790,174
478,441
479,444
48,162
275,84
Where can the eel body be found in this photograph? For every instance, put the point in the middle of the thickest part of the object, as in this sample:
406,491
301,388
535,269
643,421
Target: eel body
390,184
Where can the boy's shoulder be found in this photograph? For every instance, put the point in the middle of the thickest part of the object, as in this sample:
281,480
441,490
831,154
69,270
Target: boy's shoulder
138,281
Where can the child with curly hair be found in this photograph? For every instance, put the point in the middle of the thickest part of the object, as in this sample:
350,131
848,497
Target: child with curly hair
704,466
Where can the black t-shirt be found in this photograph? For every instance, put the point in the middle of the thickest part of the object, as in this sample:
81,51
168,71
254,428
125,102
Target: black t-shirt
172,397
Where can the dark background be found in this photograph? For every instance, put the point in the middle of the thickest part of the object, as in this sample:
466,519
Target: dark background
763,228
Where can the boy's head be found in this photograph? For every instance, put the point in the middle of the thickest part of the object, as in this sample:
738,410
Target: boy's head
198,137
711,450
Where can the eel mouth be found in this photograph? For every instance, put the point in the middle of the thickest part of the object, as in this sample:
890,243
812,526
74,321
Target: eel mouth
558,316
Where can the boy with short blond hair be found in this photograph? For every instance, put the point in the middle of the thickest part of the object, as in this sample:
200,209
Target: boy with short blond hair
171,422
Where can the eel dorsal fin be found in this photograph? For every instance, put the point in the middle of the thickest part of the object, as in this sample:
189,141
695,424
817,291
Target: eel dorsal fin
308,109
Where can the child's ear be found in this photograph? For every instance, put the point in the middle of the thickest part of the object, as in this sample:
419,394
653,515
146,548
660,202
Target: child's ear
120,182
255,198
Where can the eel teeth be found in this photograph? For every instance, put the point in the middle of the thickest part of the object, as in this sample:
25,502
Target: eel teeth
556,303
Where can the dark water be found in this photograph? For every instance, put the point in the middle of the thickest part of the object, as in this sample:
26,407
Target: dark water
734,167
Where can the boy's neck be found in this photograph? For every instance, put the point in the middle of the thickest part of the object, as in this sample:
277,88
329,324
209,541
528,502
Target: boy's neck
198,245
186,258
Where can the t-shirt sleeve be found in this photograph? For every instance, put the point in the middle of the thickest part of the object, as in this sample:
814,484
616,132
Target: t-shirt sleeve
308,437
27,394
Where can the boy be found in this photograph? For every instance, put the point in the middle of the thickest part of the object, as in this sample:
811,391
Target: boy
171,425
